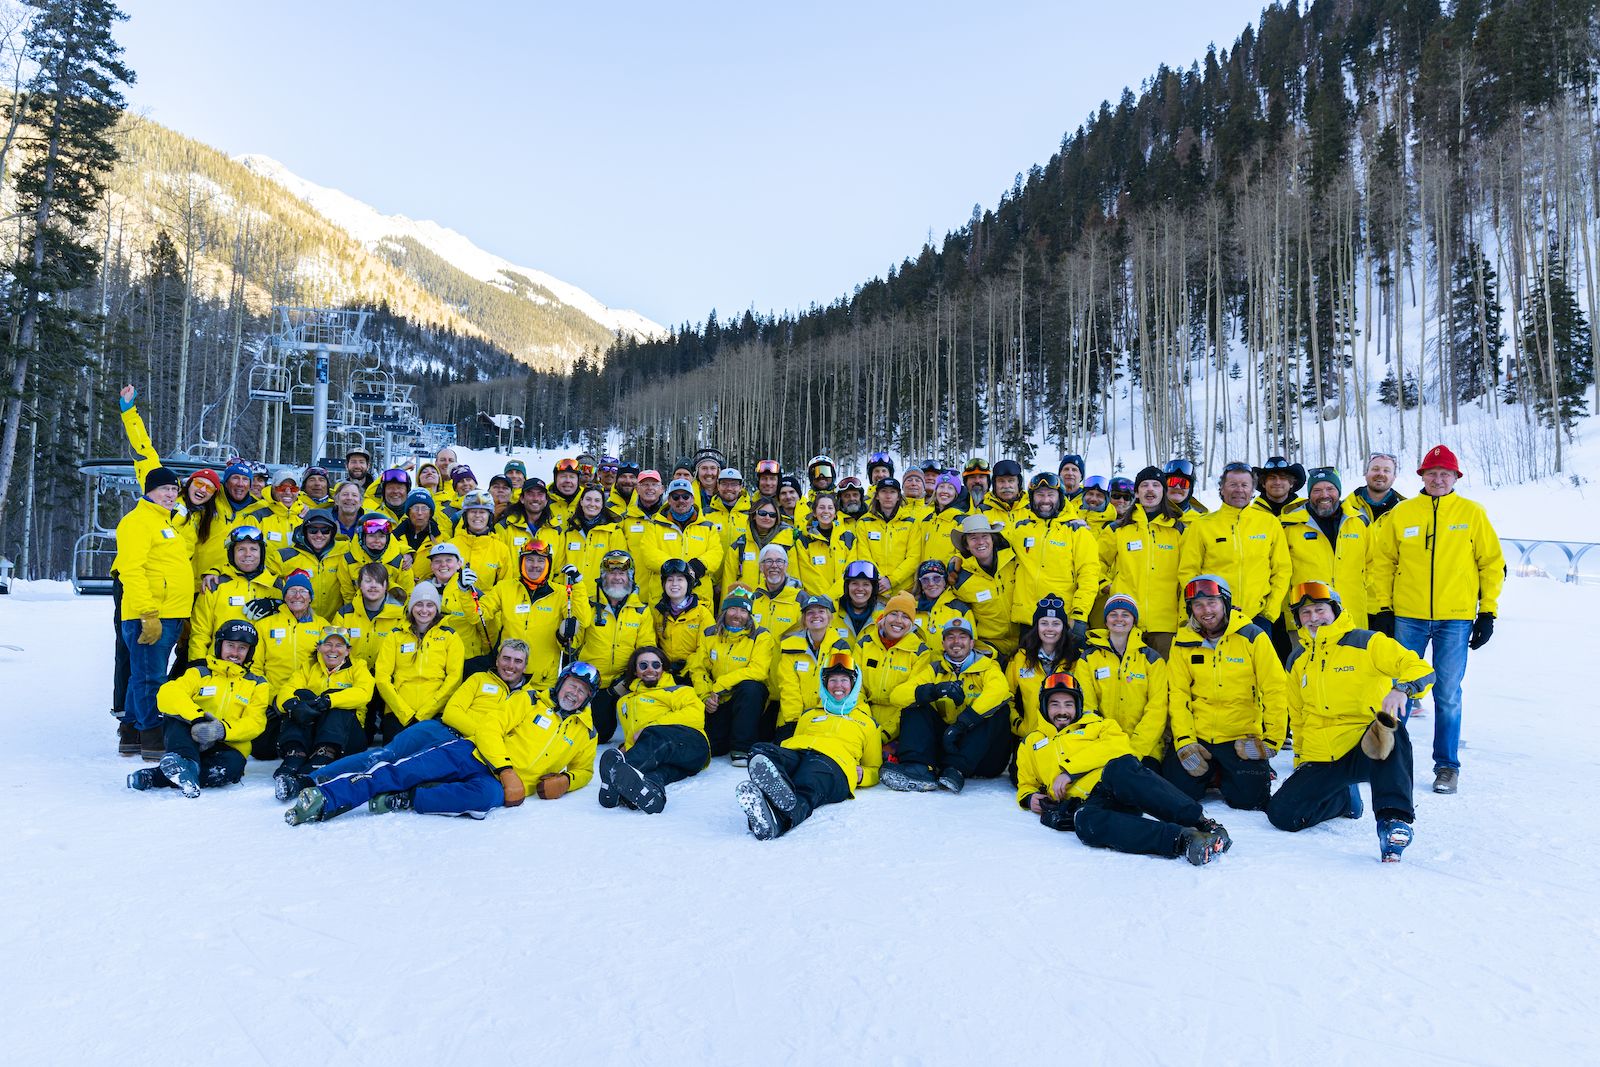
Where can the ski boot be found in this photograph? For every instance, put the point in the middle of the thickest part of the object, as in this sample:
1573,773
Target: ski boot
383,803
951,779
286,785
1393,837
182,773
1200,846
323,755
307,807
142,779
739,759
757,812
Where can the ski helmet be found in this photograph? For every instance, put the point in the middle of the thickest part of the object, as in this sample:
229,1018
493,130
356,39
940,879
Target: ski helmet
1205,585
586,674
241,630
1061,682
1311,592
247,534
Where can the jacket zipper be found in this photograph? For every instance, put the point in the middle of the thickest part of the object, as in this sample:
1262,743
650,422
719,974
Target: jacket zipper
1433,546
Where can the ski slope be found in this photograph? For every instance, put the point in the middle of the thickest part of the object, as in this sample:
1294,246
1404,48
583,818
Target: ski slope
906,929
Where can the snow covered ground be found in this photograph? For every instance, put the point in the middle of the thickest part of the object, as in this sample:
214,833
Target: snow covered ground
897,928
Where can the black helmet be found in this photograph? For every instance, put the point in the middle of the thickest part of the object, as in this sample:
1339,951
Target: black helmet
1006,467
582,671
244,535
240,630
314,517
1061,682
677,566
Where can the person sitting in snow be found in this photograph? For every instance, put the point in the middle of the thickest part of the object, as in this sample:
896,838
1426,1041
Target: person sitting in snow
325,707
663,736
211,714
834,751
1087,779
502,746
1347,688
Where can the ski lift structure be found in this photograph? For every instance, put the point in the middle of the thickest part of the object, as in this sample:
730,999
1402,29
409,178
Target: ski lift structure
313,361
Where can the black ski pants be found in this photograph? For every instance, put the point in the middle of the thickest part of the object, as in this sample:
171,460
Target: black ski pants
667,754
221,764
1113,815
1317,792
815,778
1245,783
740,720
983,752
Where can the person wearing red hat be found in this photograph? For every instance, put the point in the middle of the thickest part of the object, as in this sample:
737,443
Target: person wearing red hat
1437,569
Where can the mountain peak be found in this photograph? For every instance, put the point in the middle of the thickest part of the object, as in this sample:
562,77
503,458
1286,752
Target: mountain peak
380,232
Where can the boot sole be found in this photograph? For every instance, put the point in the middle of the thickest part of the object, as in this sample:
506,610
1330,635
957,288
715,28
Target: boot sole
763,824
311,812
191,788
901,782
766,776
636,789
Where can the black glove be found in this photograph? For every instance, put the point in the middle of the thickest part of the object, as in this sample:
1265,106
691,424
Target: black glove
1263,622
699,569
927,693
676,666
206,731
567,631
621,688
1080,635
305,694
1482,630
262,606
1059,816
952,691
571,574
1381,621
302,712
957,731
322,704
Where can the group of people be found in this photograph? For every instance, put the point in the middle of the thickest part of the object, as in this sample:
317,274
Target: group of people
404,639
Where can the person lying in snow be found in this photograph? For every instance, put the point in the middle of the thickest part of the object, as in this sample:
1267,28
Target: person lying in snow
834,750
504,744
1086,778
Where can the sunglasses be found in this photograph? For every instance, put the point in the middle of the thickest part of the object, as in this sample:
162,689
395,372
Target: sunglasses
1322,472
1121,495
679,497
649,665
766,514
1237,467
1383,455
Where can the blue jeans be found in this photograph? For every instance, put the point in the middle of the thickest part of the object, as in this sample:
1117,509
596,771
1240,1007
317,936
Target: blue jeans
408,742
446,779
147,669
1449,638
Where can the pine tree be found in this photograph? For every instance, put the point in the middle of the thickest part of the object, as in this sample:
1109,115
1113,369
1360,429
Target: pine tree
1475,335
72,103
1562,332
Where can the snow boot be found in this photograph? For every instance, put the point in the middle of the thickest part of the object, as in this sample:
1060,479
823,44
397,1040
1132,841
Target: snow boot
183,773
384,803
610,759
1393,837
307,807
908,778
152,744
951,779
757,812
768,777
739,759
323,755
1356,808
1199,846
214,776
635,790
143,778
127,739
286,785
1444,780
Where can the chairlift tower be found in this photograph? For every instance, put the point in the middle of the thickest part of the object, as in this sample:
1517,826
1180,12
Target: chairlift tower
317,362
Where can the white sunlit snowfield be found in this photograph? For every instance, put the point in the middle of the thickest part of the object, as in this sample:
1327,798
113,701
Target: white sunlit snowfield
908,929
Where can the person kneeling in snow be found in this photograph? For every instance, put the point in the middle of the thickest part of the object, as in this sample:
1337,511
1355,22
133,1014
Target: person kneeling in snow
833,751
211,714
503,744
1346,691
324,712
1086,778
663,736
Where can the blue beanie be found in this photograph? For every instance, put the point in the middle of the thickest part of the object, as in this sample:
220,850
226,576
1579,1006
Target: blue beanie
418,496
297,580
236,468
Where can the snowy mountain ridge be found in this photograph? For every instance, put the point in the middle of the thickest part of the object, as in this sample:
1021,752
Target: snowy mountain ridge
373,228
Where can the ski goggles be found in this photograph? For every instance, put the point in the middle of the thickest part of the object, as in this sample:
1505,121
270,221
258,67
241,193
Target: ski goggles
536,548
330,632
851,482
1307,591
1094,481
608,463
1181,466
976,466
619,562
397,474
861,569
1239,467
1383,455
879,459
567,464
1176,481
840,661
1122,489
375,526
1047,480
768,466
1204,587
1322,474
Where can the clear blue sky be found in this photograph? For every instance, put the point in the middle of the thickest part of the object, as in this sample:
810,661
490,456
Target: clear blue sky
667,157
